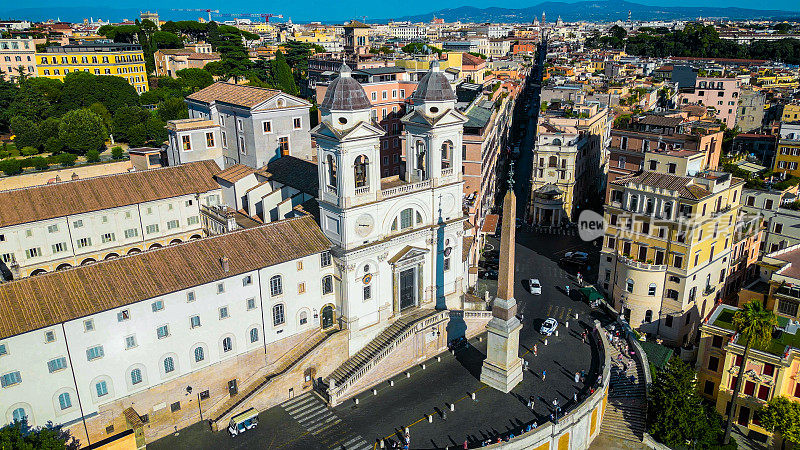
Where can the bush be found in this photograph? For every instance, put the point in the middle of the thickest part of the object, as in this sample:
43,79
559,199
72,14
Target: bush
38,163
28,151
4,154
53,145
11,166
67,159
116,152
93,156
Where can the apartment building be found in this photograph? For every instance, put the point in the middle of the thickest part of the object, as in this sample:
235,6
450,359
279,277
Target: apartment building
17,55
256,125
769,372
565,175
169,61
122,60
81,346
389,91
791,112
720,95
659,143
103,217
750,110
787,157
781,221
667,247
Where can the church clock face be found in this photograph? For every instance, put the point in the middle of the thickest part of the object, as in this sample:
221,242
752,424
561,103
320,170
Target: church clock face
364,225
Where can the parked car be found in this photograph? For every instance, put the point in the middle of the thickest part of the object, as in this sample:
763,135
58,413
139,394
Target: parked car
575,262
549,326
242,422
534,286
577,255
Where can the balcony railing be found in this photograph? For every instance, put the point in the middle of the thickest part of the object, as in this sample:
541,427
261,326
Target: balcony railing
330,189
406,188
640,265
447,172
362,190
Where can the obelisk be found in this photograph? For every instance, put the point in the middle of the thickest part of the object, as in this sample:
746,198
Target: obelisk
502,368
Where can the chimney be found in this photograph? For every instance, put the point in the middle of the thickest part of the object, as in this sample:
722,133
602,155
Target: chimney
225,263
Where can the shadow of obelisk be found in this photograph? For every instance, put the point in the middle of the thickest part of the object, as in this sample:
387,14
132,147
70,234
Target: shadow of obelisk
502,368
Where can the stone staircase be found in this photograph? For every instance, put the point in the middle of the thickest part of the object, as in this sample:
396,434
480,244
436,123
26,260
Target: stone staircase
381,346
284,363
626,412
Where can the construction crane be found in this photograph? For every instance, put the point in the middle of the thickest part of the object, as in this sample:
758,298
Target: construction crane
209,11
264,16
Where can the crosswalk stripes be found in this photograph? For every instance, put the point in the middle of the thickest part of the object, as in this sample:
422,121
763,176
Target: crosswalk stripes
315,416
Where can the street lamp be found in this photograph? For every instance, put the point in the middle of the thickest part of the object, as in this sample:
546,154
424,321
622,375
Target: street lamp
199,408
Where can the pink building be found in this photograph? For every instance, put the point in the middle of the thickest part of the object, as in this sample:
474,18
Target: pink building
719,95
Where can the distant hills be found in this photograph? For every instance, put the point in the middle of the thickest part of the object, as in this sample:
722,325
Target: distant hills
591,10
595,10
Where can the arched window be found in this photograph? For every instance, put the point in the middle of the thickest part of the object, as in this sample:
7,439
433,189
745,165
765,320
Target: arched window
303,318
136,376
361,172
420,160
64,401
447,155
327,284
19,415
277,314
629,285
275,286
648,316
556,141
169,364
227,344
254,335
651,290
331,171
199,354
552,162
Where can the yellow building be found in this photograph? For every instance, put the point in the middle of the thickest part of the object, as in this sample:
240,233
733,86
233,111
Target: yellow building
791,112
666,248
770,372
787,157
121,60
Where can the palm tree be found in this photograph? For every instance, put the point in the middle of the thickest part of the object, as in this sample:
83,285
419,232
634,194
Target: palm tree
755,324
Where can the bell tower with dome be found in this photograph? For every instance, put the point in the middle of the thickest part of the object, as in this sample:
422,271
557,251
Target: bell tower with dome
397,241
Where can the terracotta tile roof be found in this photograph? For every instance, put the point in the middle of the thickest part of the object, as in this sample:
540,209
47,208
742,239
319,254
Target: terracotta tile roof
683,185
490,223
36,302
190,124
111,191
661,121
471,60
234,94
356,24
205,56
466,247
235,173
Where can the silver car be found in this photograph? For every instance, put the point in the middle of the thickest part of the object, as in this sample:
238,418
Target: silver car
535,286
549,326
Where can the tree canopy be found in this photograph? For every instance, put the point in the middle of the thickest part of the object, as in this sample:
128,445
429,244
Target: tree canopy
19,436
782,415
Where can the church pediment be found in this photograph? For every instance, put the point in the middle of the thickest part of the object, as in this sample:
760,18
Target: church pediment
449,117
408,255
361,130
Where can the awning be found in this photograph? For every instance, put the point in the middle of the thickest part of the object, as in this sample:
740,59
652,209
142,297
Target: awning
591,293
490,223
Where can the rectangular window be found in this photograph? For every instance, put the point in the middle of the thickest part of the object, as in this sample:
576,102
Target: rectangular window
49,336
52,228
301,288
708,388
277,314
210,140
763,392
251,304
190,296
162,331
267,126
172,224
193,220
33,252
101,388
56,364
195,321
367,292
130,342
247,280
297,123
88,325
123,315
10,379
325,259
60,247
406,218
749,387
150,229
95,352
84,242
157,305
223,313
283,144
677,261
224,140
713,363
787,307
446,264
242,146
108,237
220,288
187,142
768,370
8,258
716,342
131,233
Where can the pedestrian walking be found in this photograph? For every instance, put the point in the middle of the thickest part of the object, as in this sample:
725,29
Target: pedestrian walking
567,290
575,397
577,376
535,350
544,374
466,445
531,402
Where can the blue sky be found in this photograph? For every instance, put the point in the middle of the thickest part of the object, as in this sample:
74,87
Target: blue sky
304,10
